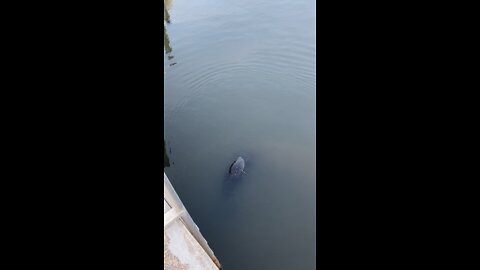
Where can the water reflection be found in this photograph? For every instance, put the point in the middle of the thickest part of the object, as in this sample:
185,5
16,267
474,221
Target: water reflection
166,15
168,51
167,4
166,160
166,41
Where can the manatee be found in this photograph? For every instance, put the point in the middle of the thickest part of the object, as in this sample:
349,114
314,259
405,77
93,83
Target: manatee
237,167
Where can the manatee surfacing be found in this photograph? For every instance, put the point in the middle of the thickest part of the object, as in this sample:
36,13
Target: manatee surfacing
237,167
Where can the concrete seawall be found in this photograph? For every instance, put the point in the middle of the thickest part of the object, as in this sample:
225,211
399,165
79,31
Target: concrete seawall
184,246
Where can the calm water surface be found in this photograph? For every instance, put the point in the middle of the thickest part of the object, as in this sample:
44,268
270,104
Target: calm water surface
240,80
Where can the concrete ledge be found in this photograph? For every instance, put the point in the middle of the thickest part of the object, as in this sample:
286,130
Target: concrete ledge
181,250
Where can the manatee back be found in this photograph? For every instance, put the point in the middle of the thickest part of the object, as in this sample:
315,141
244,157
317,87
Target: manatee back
237,167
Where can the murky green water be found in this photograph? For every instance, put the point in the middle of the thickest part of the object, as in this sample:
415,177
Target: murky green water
240,80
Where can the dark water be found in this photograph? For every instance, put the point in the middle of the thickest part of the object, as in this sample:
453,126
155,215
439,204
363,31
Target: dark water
240,80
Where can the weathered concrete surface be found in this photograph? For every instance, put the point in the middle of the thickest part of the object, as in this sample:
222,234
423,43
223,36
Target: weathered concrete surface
181,250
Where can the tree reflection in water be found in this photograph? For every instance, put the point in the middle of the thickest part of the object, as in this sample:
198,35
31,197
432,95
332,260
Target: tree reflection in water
166,40
168,51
